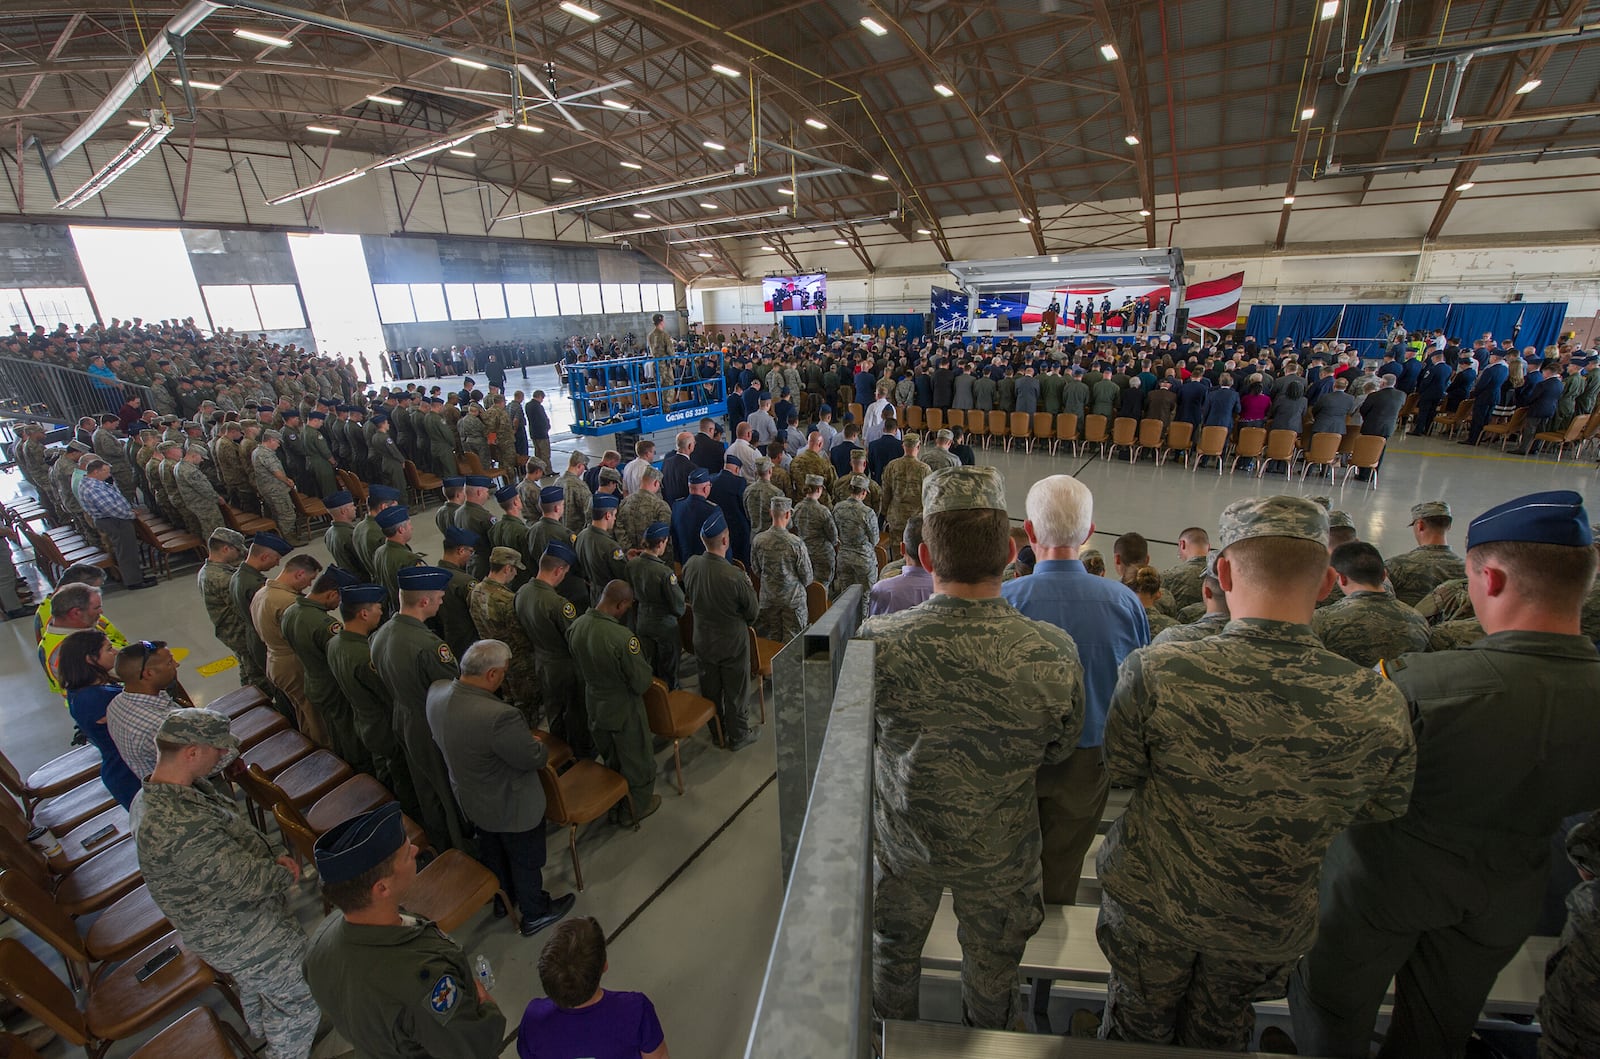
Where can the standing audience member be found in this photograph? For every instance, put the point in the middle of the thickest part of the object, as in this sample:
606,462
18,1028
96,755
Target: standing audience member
146,669
911,585
1568,1017
1368,624
615,676
725,606
576,1017
108,508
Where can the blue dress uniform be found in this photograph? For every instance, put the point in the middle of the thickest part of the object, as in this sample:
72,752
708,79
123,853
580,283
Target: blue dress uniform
688,515
1442,898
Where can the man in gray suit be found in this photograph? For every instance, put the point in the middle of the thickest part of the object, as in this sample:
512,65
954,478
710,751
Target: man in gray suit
1332,409
494,764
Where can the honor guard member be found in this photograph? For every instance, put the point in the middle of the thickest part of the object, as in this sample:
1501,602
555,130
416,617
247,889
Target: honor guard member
224,551
266,552
339,537
387,459
1442,898
615,676
309,623
858,540
599,554
972,698
409,658
283,666
510,531
1368,624
780,562
577,493
475,518
640,509
445,514
493,603
724,605
371,706
660,597
395,554
546,616
690,513
319,457
758,497
455,614
1210,876
220,883
393,983
1431,563
367,533
858,468
552,529
815,527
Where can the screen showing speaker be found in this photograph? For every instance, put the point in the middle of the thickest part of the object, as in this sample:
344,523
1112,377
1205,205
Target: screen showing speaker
795,294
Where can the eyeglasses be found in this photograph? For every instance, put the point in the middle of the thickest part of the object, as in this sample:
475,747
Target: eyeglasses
146,649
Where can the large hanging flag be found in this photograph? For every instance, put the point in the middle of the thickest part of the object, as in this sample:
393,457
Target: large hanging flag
949,311
1214,303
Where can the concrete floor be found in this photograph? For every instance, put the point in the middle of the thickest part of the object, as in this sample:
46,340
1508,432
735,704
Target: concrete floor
692,899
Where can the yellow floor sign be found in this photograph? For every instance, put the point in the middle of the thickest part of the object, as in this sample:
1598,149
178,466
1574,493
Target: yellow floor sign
221,665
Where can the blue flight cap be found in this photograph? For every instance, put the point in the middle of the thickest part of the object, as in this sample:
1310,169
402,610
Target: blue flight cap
454,482
316,413
733,461
273,541
380,417
699,476
480,481
552,494
422,579
606,502
391,517
456,537
1554,517
506,493
825,410
342,577
339,499
383,494
352,848
657,531
714,526
557,550
363,594
291,413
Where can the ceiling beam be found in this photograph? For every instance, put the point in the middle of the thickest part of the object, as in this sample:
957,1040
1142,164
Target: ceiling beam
1310,81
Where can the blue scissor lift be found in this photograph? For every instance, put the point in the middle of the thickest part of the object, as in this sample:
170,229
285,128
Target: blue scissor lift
632,395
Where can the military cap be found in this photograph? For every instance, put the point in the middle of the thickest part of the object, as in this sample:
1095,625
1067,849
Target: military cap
457,537
391,517
944,434
1583,845
1272,516
454,482
858,454
80,447
386,494
652,474
557,550
316,413
763,464
579,458
506,557
363,594
1340,518
351,849
1321,501
534,461
912,438
342,577
339,499
436,400
380,417
1553,517
224,535
963,489
271,435
1430,509
480,481
610,474
714,526
699,476
197,727
552,494
422,579
291,413
731,460
272,541
506,493
859,483
606,502
814,481
780,504
657,531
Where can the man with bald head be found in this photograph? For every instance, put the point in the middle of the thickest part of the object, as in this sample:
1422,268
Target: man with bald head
616,674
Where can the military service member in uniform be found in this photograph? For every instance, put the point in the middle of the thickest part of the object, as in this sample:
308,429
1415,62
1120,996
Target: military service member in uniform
814,525
475,518
660,599
393,983
1182,582
395,554
367,533
225,549
444,516
510,531
724,605
780,561
339,538
600,556
858,540
546,617
552,529
273,485
1431,563
1214,618
454,620
758,498
858,468
493,603
1247,752
938,456
219,882
575,492
1441,899
1367,625
902,487
308,625
371,707
641,509
1568,1017
283,666
972,698
615,676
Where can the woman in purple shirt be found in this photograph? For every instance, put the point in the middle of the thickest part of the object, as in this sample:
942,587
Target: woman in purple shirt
578,1019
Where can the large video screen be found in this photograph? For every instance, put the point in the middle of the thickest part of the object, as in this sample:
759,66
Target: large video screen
794,294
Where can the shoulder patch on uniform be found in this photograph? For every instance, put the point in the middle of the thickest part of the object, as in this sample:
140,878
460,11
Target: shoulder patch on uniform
572,538
334,628
616,553
568,610
672,579
633,645
445,655
444,995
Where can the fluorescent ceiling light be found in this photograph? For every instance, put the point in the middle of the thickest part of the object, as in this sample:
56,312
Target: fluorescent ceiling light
560,180
204,86
324,129
924,231
726,71
262,38
786,191
1025,220
322,185
767,248
531,128
1329,9
708,205
614,104
993,158
841,242
881,178
471,64
1466,186
874,27
1288,200
1144,213
143,143
387,100
1528,86
455,140
815,124
630,165
1131,140
642,216
581,12
461,152
704,253
713,145
1308,113
944,90
138,123
1109,51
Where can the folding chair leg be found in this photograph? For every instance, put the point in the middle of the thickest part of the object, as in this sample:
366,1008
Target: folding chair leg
572,849
677,764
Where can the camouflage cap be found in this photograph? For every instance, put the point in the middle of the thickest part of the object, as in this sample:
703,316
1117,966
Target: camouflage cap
911,439
1272,516
763,464
506,557
271,435
610,474
534,461
1430,509
944,434
652,474
197,727
1321,501
814,481
1583,845
1338,519
858,454
963,489
224,535
859,483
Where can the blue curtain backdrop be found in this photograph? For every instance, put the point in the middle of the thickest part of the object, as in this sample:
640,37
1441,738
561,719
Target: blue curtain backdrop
1468,321
1363,324
1541,324
804,325
1263,323
1307,323
1424,317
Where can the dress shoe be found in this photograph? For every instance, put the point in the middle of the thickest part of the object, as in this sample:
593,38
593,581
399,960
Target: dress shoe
500,911
655,803
558,907
750,736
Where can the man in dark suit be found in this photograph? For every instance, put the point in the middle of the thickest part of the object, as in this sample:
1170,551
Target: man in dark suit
944,382
1461,382
1380,414
885,449
1332,409
1162,403
727,492
708,451
1541,396
1430,391
1192,399
1221,405
675,469
494,764
1486,394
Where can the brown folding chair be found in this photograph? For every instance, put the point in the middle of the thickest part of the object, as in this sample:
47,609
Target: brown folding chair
1044,429
309,509
1562,438
955,417
934,419
1094,432
277,752
1365,456
1281,445
1150,431
354,486
816,601
1180,439
238,701
914,417
246,523
56,776
162,548
61,812
978,425
198,1035
1252,442
1066,430
677,715
686,627
1505,431
583,793
1453,421
257,724
1124,433
1019,427
997,429
762,651
1213,442
130,923
422,483
1323,452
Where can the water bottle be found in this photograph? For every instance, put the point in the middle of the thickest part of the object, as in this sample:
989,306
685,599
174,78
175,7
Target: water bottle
485,972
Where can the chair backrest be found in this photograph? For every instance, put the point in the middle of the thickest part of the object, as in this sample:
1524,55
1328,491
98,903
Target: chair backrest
816,600
1575,428
997,423
1516,419
1180,435
30,905
411,476
883,555
1067,426
230,517
1094,428
1251,441
956,417
260,788
555,805
1150,433
934,418
11,779
1281,443
1324,447
1123,430
18,854
295,831
755,655
1593,426
914,419
1020,424
977,422
1213,440
1044,425
145,534
1367,450
657,714
37,991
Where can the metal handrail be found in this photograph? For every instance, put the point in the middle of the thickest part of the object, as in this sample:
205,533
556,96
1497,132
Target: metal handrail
50,393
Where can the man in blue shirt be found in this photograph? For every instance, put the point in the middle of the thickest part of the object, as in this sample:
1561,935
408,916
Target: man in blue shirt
1107,622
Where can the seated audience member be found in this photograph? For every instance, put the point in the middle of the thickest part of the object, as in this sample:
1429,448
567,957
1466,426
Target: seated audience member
86,660
1146,582
1368,624
578,1019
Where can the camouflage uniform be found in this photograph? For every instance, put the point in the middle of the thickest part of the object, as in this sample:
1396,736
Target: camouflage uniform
216,879
1453,635
938,459
199,499
230,626
778,558
858,548
816,529
902,493
1201,628
231,465
637,512
274,493
1182,582
114,451
1446,602
758,498
474,437
1419,571
808,462
1368,626
1567,1011
494,612
34,467
497,422
1159,620
873,499
578,496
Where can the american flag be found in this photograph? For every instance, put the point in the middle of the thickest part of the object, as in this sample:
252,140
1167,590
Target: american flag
1007,304
949,311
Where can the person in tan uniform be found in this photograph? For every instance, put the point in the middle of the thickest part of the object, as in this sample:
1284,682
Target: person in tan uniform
283,665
